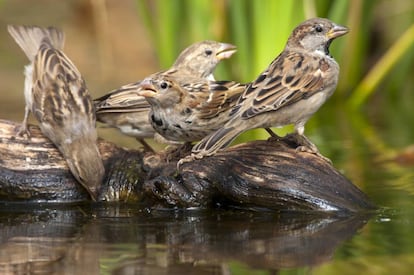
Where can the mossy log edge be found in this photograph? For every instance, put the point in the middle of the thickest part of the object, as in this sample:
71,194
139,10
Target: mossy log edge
259,174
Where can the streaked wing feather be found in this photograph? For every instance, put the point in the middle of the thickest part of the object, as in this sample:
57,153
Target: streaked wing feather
59,88
222,96
216,140
286,81
123,100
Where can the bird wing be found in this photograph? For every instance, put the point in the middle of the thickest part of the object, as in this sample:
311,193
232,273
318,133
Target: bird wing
59,92
213,97
125,99
292,76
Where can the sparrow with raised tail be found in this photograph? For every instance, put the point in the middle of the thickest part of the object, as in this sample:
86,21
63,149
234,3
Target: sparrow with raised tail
187,109
56,94
289,91
126,110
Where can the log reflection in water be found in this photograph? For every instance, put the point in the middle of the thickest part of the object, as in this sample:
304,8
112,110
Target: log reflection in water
78,239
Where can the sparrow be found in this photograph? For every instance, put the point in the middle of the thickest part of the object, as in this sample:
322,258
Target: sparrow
289,91
56,94
124,109
127,111
187,109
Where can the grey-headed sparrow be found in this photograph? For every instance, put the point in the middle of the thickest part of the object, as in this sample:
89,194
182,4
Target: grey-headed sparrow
185,109
126,110
289,91
56,94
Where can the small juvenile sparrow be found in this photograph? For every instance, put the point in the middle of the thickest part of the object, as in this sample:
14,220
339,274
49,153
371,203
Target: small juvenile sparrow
187,109
56,94
289,91
126,110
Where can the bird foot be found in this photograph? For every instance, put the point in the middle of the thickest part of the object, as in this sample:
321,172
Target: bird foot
189,158
305,145
23,131
313,150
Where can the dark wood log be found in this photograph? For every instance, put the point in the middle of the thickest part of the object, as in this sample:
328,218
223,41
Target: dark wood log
260,174
34,170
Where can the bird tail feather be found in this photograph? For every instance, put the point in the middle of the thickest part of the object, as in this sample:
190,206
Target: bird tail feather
29,38
216,141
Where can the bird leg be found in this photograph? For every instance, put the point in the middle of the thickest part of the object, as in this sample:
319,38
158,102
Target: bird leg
177,152
23,129
147,147
272,134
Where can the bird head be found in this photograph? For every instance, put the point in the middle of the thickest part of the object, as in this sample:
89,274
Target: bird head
315,35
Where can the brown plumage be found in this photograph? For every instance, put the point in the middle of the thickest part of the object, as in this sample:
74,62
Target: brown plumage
188,109
56,94
126,110
289,91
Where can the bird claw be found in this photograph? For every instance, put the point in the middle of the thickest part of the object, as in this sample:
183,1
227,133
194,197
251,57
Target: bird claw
305,145
313,150
188,158
22,131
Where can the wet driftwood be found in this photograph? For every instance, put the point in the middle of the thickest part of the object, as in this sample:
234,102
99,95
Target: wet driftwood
260,174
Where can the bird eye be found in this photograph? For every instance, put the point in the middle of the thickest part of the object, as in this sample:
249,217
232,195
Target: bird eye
164,85
208,52
318,28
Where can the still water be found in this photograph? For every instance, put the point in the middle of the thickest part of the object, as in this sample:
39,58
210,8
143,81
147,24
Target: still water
123,240
128,239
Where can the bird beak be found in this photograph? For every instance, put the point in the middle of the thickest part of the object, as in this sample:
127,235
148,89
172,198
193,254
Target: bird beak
147,89
337,31
225,51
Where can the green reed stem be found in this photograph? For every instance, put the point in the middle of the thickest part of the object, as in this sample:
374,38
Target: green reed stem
388,61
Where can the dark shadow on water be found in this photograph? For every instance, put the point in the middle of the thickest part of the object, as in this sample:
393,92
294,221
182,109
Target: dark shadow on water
123,240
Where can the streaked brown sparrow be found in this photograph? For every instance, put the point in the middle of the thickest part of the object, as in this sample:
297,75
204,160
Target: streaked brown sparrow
126,110
187,109
56,94
289,91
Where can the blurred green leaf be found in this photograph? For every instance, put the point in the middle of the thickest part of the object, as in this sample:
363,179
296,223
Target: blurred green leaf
389,60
